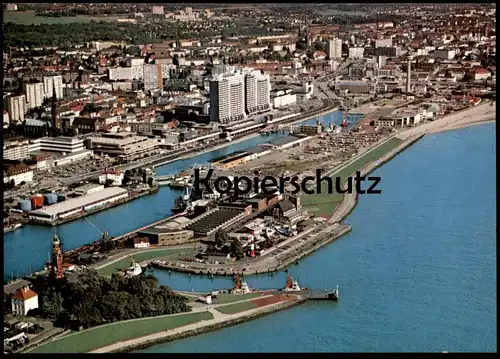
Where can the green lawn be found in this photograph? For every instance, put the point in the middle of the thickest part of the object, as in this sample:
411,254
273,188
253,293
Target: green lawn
324,203
237,307
149,254
229,298
98,337
29,17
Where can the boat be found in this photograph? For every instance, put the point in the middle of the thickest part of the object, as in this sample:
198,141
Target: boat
291,285
344,122
331,295
11,227
229,138
179,206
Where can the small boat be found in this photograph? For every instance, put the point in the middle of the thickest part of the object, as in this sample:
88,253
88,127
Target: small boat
11,227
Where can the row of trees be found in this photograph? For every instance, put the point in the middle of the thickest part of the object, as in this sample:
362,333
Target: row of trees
73,33
226,245
89,299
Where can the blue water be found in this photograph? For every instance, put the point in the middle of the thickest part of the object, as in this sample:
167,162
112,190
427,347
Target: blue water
416,274
28,248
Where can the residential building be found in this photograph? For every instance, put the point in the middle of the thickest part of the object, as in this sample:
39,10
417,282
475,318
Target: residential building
6,119
444,54
18,173
85,125
356,52
227,97
257,90
359,87
481,74
16,150
157,10
149,127
34,94
137,65
23,301
383,42
120,73
16,107
113,177
334,49
153,77
393,51
51,82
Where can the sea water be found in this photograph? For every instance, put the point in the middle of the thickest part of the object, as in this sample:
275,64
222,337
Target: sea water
416,274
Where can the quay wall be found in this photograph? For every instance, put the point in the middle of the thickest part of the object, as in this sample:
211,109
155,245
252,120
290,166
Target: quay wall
93,211
349,201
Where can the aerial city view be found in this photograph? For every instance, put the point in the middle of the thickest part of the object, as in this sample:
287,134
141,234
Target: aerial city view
260,178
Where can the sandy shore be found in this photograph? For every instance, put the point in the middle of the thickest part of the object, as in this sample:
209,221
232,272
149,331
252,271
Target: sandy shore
484,112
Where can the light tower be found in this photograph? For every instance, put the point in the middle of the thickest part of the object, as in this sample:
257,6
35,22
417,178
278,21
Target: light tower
57,258
409,59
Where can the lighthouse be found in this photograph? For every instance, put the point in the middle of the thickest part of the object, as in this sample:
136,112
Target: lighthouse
252,247
57,258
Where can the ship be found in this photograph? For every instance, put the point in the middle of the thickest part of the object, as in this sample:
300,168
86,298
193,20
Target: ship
326,295
293,286
11,227
344,122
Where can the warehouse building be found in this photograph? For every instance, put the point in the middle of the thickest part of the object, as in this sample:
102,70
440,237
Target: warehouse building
221,217
238,157
288,142
171,233
77,205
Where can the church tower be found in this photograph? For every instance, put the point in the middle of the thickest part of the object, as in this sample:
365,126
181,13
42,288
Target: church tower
56,126
56,270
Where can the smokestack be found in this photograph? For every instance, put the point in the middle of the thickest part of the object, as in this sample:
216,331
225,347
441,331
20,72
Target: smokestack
408,75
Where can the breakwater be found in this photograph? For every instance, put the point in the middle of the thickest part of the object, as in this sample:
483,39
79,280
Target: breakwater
199,328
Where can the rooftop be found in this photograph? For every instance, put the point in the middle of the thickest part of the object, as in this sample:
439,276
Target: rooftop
79,202
24,294
15,286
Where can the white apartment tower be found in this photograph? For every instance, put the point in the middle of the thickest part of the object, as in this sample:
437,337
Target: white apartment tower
335,49
137,65
34,94
51,82
16,106
257,90
153,77
227,98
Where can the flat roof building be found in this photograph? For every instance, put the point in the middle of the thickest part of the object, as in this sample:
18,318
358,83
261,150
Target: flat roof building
76,205
126,146
288,142
62,144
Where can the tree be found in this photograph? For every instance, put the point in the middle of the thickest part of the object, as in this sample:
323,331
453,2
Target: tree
221,238
237,249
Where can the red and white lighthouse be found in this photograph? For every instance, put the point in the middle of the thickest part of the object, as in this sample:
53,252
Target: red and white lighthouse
252,246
